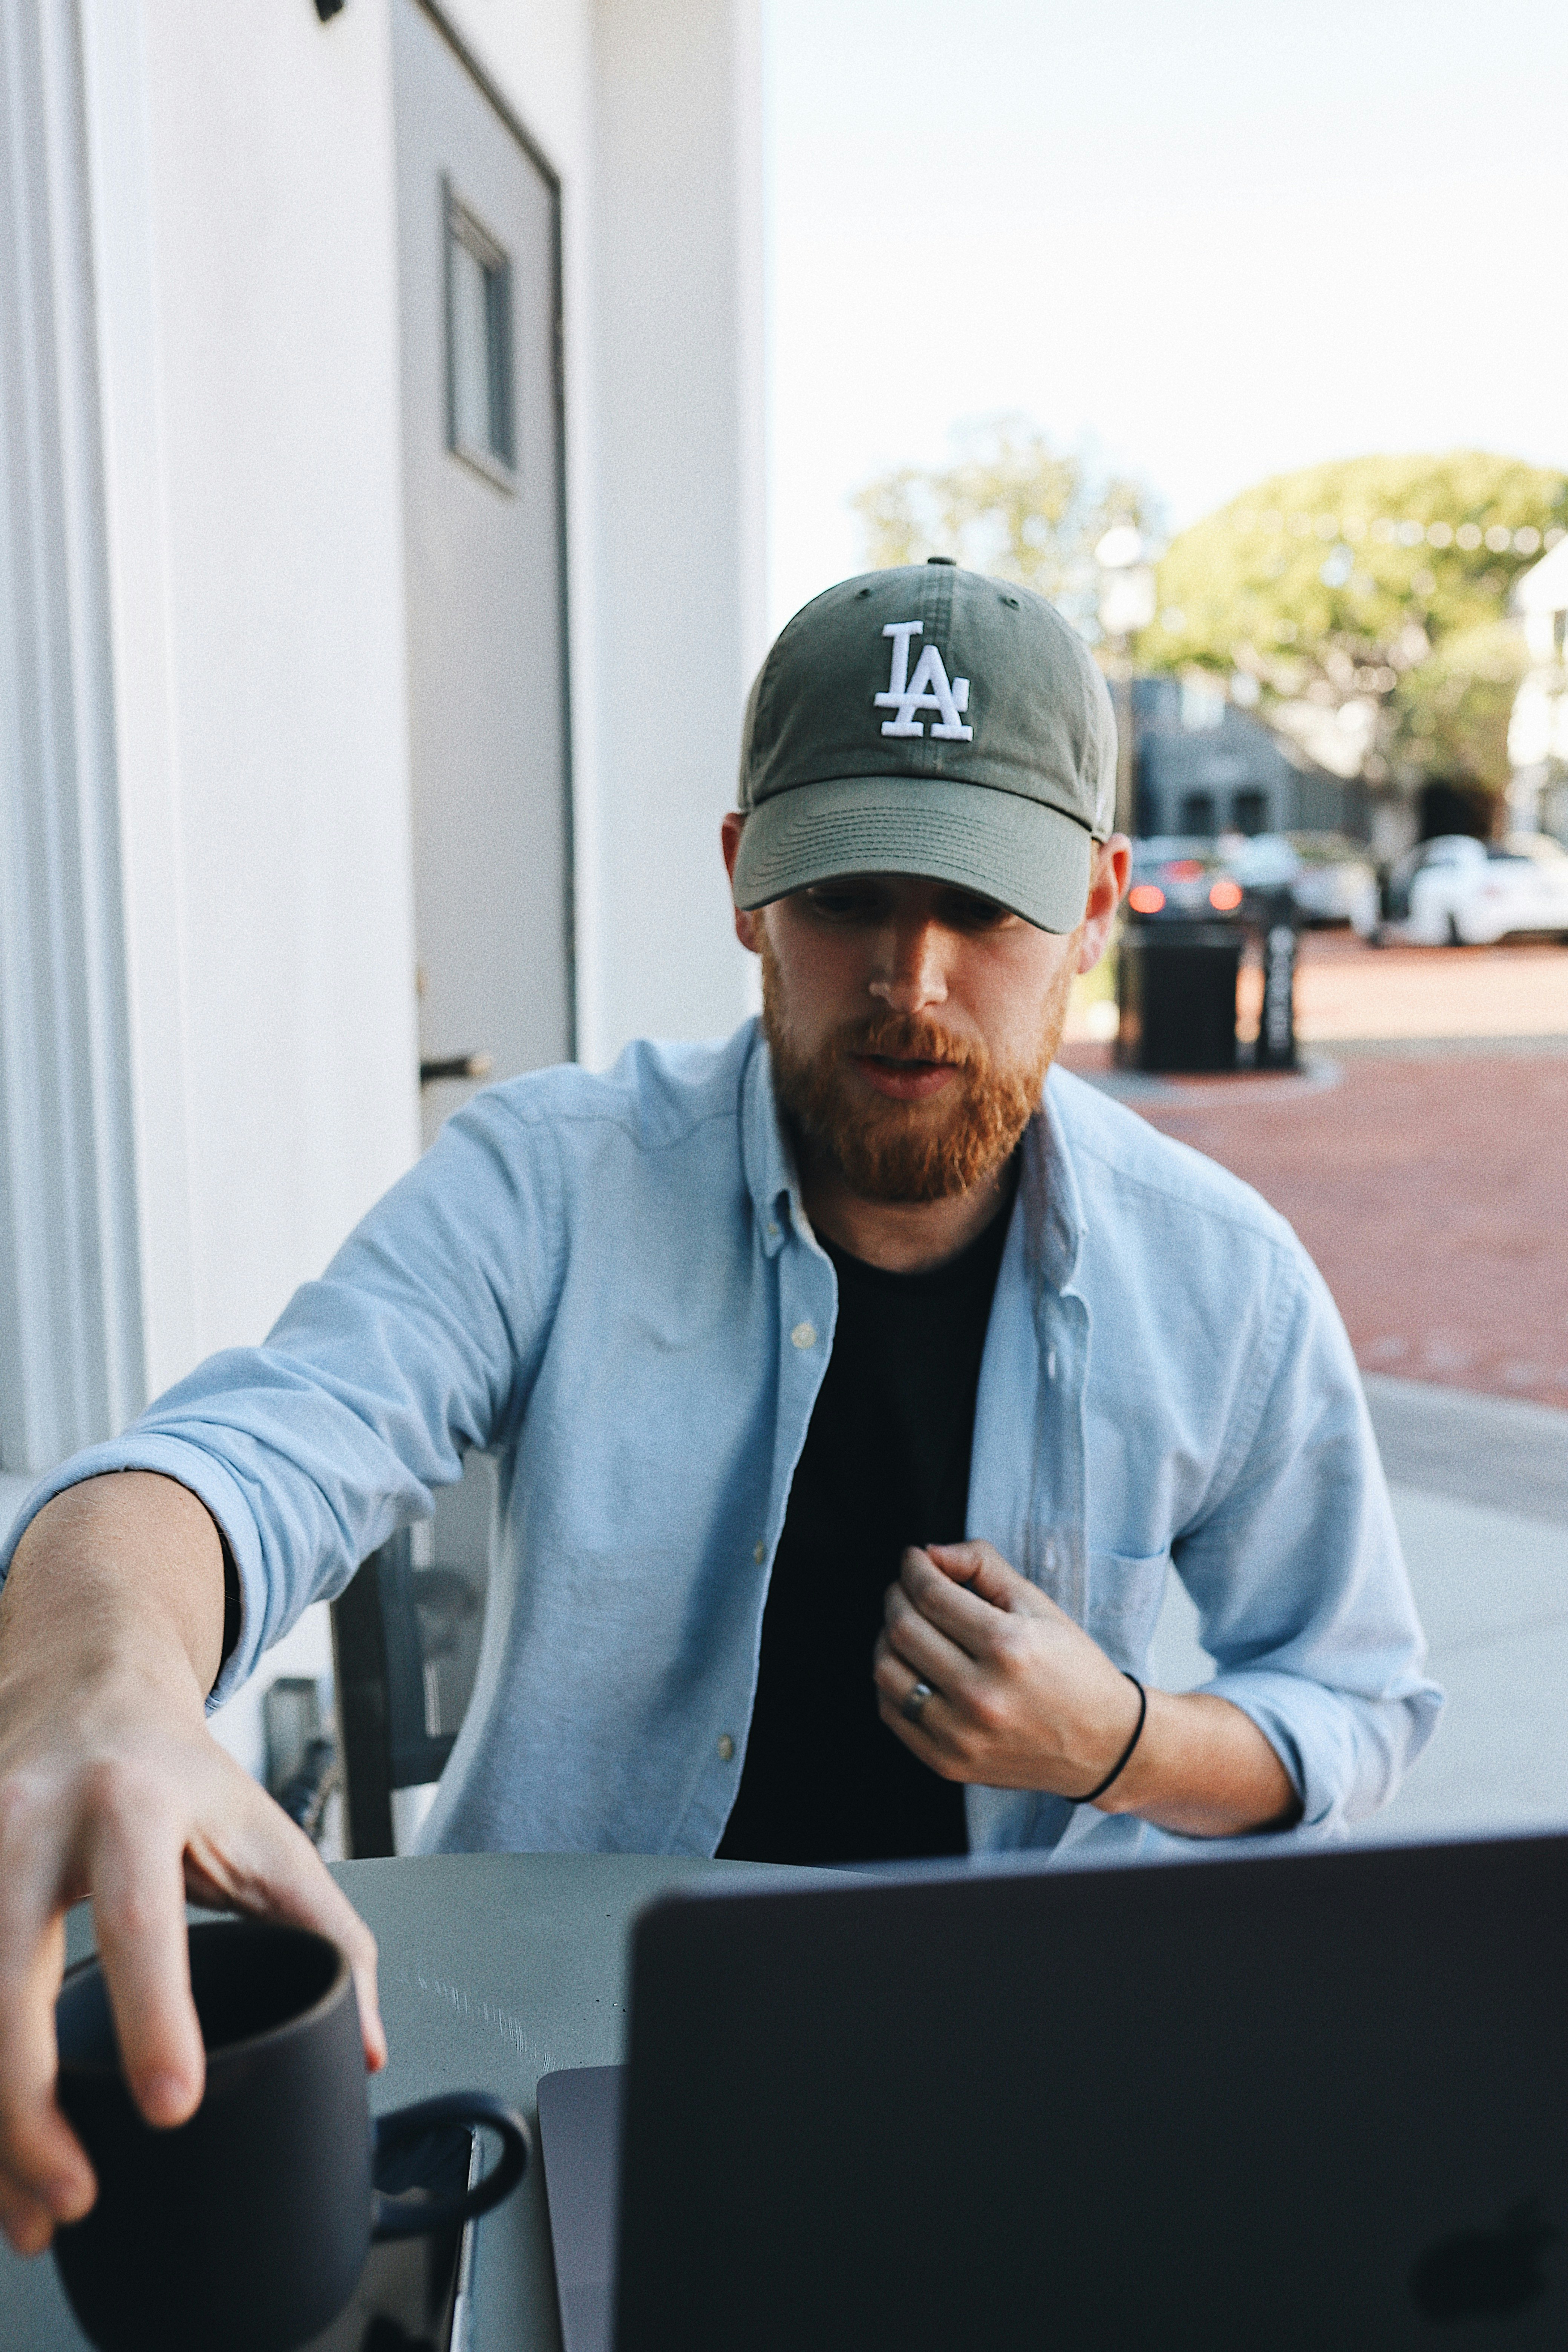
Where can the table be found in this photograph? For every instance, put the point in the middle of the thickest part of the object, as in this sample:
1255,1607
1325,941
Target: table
495,1969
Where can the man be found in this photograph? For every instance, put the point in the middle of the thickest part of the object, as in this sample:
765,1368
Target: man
852,1389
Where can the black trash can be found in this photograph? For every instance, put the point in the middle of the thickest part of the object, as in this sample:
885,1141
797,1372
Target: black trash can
1176,991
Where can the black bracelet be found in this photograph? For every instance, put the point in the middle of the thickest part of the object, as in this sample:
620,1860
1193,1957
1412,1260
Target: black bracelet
1125,1758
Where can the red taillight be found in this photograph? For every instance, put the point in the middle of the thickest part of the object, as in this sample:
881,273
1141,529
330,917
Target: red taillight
1184,870
1224,896
1146,899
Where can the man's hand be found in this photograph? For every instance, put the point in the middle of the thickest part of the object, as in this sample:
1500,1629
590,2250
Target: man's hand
112,1787
1022,1698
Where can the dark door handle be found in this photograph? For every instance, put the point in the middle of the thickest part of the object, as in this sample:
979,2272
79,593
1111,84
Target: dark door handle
456,1065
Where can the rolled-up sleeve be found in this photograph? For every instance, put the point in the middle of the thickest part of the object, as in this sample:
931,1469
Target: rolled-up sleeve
1296,1568
419,1343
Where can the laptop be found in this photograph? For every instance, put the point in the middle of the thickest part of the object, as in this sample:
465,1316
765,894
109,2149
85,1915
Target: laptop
1261,2099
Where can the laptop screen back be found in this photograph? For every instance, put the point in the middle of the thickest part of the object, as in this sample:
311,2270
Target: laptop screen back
1298,2100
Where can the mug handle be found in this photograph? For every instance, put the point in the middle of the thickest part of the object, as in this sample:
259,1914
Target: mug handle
393,2217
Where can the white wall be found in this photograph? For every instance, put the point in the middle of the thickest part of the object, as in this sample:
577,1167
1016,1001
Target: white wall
249,315
242,284
679,559
251,327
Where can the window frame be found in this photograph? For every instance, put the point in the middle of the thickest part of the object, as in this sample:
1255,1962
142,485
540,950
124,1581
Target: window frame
461,225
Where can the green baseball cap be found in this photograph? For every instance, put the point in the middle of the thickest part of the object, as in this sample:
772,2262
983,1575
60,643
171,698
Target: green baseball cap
928,721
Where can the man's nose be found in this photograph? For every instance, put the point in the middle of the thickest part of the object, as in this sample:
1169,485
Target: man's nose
910,971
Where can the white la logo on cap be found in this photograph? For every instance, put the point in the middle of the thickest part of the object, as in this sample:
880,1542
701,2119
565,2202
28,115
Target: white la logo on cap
927,690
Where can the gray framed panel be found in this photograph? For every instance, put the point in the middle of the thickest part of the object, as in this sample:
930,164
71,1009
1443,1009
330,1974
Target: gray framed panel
486,561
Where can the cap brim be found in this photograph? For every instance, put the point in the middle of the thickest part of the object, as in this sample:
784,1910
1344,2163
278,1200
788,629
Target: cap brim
1024,854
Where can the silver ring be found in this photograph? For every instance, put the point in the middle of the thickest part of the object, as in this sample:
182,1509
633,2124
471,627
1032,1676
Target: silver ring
914,1702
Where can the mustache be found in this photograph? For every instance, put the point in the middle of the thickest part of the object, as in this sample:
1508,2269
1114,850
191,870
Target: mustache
908,1037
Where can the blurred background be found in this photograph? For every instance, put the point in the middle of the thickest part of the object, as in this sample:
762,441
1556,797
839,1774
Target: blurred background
1230,330
416,419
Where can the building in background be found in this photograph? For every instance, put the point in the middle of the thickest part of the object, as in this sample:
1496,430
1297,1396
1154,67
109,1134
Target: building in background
1537,727
380,574
1203,766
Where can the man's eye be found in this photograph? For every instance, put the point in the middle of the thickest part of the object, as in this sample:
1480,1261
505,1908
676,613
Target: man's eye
842,905
966,913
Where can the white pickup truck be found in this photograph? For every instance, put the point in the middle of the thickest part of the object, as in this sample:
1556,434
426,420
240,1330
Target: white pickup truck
1457,892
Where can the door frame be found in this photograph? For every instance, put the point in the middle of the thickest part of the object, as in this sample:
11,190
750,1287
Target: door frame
74,1324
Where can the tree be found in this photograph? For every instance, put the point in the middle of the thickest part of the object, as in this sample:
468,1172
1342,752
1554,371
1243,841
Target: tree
1010,504
1365,603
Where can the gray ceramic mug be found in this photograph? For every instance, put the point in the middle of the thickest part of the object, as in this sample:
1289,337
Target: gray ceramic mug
247,2227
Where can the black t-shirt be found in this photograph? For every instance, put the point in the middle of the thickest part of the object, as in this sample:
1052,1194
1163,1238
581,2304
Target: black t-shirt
885,1465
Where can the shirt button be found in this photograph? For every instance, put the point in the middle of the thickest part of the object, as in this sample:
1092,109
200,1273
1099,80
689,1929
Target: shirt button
804,1335
758,1553
726,1748
773,1230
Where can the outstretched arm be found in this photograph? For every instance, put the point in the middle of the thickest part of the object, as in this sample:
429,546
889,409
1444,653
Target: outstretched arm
112,1788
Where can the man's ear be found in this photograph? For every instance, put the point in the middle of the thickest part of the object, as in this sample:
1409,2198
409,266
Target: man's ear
748,928
1106,881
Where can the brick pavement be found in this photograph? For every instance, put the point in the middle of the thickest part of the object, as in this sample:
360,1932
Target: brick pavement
1430,1185
1344,990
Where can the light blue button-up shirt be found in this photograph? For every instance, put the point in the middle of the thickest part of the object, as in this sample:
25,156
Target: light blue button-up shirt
612,1284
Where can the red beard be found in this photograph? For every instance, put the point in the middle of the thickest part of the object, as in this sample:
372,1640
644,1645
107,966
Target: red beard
908,1151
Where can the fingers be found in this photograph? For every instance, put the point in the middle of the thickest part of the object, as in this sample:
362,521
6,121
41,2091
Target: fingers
323,1905
241,1853
268,1867
45,2176
139,1912
921,1646
894,1681
937,1631
975,1624
934,1733
979,1568
28,2225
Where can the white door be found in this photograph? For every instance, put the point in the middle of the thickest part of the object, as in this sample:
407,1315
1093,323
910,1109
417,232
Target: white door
478,236
480,271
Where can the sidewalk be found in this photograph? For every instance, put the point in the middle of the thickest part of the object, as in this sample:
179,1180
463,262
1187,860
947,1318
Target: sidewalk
1491,1584
1430,1190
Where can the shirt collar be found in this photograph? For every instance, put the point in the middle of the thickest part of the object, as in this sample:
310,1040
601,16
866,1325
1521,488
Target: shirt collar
772,1178
1056,1214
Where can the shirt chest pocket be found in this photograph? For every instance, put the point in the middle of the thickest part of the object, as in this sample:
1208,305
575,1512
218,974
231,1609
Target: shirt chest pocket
1124,1598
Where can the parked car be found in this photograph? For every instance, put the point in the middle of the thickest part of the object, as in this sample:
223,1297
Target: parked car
1178,875
1330,878
1464,893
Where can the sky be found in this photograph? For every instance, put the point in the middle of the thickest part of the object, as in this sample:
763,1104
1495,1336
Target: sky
1211,243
